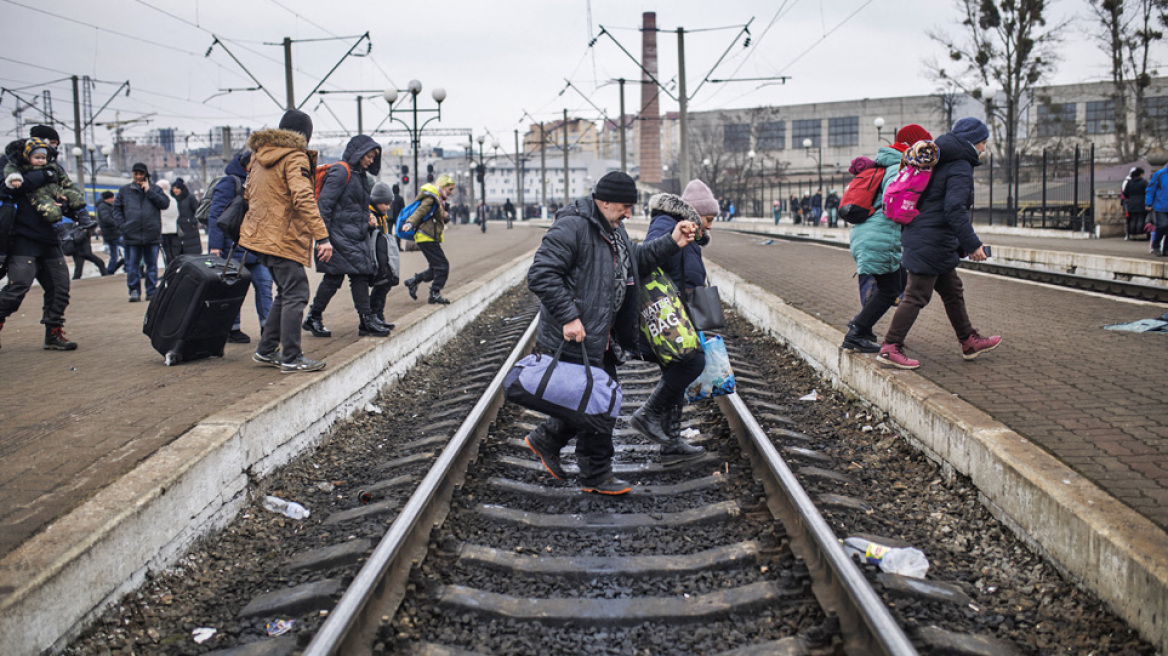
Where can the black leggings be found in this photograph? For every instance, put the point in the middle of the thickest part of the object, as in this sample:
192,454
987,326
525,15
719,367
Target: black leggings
888,288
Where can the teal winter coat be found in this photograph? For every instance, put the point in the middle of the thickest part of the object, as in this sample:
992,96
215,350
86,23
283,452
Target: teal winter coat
875,243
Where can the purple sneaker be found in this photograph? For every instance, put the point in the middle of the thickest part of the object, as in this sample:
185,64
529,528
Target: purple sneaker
975,345
893,356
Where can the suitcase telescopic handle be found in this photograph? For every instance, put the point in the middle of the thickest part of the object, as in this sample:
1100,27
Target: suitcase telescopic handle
239,269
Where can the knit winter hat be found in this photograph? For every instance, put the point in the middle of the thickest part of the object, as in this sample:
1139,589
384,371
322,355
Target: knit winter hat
381,194
107,194
45,132
179,183
699,196
971,129
297,121
616,187
912,133
33,144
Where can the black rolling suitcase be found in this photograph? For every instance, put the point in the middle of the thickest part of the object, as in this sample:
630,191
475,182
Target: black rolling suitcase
195,306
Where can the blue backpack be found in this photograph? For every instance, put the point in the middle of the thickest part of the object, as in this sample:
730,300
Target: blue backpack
405,229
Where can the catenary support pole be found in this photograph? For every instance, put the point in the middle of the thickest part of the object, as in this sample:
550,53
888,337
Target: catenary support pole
77,131
542,171
290,95
683,109
623,147
567,185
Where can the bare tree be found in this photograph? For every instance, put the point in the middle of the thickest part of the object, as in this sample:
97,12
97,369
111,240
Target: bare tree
1004,43
1112,31
1143,34
721,158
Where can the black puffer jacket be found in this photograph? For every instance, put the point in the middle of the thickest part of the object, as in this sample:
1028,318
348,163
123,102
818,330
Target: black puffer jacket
344,206
573,276
188,225
941,233
139,213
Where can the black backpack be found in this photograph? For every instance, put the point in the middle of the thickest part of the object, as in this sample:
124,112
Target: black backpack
231,220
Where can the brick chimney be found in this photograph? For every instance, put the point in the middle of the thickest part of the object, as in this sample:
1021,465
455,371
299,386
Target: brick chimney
650,123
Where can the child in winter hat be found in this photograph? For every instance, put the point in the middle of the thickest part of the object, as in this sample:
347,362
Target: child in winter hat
36,159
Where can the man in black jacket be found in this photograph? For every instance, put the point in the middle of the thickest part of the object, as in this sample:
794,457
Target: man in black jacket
584,274
110,233
138,210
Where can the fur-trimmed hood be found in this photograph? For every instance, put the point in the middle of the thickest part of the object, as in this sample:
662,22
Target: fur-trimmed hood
270,146
674,206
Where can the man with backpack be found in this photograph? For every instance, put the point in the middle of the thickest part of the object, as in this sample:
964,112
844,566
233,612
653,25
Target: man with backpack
223,194
281,223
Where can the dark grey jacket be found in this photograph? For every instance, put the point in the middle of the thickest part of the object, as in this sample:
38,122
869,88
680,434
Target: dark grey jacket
573,276
139,213
344,206
110,231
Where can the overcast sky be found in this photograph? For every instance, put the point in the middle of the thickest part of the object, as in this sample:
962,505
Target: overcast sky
495,59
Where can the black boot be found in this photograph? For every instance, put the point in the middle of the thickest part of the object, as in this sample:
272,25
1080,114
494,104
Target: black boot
678,450
436,297
381,318
315,325
652,419
412,287
371,327
860,339
55,339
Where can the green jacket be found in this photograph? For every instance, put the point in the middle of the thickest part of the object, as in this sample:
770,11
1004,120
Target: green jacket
875,243
431,229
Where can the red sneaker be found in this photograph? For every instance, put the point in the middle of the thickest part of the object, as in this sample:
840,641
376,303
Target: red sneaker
893,356
975,345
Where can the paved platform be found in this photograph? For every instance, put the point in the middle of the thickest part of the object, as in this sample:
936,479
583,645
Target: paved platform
73,422
1090,397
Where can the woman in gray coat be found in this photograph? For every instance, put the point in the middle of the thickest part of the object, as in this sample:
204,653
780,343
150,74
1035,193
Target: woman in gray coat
344,206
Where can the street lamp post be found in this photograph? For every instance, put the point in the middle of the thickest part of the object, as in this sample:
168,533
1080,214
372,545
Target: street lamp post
483,177
414,88
807,143
879,123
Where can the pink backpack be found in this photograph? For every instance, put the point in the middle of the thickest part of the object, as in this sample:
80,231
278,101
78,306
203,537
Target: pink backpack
902,194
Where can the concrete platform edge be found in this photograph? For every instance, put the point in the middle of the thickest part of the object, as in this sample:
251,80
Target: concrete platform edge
1107,546
145,521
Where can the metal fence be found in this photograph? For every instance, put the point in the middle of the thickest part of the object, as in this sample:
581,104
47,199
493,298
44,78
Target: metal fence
1053,189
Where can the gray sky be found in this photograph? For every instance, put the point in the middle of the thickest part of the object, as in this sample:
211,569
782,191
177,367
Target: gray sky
494,59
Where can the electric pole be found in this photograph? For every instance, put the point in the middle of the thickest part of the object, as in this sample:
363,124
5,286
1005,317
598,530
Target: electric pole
567,191
683,110
624,155
77,131
291,99
519,174
542,171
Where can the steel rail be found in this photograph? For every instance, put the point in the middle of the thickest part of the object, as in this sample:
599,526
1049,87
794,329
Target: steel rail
378,588
838,584
1119,288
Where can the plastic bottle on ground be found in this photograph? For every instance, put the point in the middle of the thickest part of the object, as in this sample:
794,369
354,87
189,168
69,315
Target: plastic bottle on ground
905,562
289,509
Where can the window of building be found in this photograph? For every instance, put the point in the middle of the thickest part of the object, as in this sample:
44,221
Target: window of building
1101,117
736,136
772,136
1056,120
1155,119
843,131
805,129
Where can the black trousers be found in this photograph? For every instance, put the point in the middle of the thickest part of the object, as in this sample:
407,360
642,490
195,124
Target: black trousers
377,297
888,288
29,260
331,282
676,376
439,266
83,252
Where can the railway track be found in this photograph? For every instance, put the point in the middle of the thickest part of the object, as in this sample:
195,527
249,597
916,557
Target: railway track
1120,288
513,550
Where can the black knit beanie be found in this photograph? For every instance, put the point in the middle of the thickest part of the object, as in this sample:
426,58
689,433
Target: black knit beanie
45,132
616,187
297,121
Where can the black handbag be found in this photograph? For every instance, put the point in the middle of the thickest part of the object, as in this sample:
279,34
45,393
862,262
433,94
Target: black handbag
704,304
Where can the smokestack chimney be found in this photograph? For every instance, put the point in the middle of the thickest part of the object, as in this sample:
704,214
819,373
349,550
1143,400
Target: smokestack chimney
650,124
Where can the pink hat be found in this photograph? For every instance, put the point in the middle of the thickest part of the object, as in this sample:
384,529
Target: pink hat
698,195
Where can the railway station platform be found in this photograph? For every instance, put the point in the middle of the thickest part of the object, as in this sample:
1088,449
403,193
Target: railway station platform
75,425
